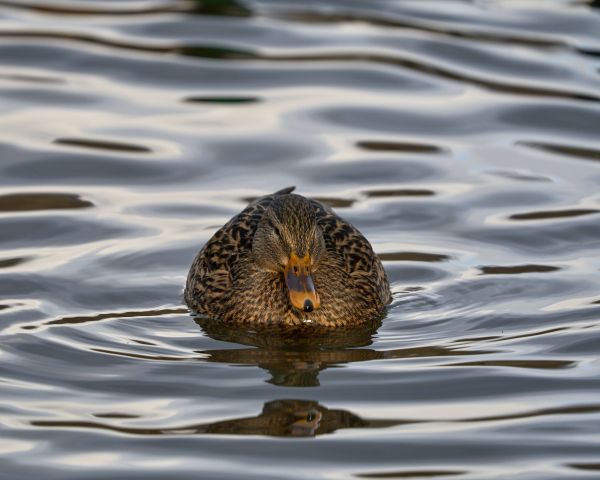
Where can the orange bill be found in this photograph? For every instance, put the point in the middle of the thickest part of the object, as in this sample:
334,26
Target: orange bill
300,284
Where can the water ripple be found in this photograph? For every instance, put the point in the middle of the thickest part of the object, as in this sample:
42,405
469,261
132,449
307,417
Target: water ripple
25,202
460,137
102,145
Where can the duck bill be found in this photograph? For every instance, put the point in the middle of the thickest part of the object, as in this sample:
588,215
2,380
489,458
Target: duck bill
300,284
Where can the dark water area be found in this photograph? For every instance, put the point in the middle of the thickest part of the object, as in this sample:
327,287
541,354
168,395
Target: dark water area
461,137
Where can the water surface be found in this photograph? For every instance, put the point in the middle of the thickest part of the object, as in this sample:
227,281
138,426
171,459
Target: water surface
461,137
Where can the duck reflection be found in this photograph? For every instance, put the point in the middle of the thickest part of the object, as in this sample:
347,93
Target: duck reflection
279,418
293,358
290,418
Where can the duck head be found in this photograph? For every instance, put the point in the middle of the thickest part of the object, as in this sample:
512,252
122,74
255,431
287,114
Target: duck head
289,241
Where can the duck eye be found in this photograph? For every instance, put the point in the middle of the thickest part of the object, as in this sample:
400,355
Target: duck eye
275,229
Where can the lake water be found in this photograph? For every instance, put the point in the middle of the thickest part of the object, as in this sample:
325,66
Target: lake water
461,137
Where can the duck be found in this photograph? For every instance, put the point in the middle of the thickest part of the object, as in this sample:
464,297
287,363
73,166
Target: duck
289,261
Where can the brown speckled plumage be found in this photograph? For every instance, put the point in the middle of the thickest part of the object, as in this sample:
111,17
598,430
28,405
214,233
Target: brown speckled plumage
226,282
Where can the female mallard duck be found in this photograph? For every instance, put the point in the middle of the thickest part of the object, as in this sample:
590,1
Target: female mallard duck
288,260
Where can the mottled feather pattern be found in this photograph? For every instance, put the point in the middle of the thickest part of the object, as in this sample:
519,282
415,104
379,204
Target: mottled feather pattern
226,284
